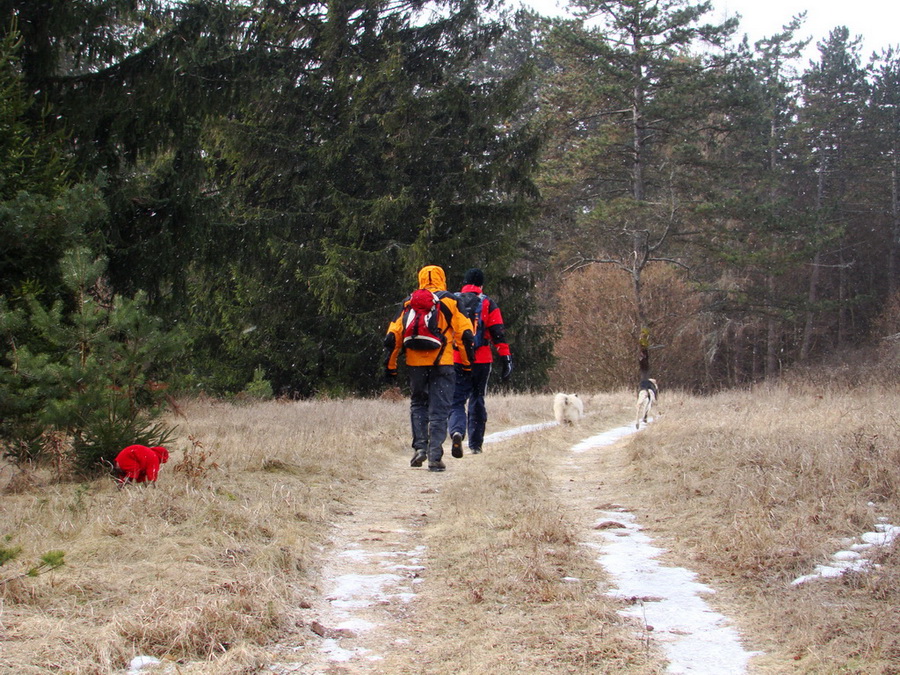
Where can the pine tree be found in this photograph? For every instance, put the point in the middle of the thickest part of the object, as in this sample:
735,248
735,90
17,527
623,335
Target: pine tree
834,93
759,238
82,368
883,122
632,105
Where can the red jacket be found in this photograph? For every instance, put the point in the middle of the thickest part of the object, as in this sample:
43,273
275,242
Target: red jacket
141,463
493,331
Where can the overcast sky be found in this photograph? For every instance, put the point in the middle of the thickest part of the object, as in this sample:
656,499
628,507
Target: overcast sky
877,21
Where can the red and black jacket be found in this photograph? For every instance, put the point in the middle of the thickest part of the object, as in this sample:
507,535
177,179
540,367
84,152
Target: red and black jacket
491,329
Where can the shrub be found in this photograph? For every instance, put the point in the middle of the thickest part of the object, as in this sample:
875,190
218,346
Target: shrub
598,344
259,388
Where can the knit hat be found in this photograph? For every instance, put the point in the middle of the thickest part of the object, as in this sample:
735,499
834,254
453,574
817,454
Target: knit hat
474,277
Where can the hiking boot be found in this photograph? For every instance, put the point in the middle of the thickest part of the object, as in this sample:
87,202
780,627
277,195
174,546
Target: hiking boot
418,458
456,448
436,465
475,451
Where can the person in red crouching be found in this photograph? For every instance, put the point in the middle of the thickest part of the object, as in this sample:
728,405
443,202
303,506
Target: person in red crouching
140,463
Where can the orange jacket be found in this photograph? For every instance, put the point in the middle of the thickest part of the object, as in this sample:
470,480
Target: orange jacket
432,278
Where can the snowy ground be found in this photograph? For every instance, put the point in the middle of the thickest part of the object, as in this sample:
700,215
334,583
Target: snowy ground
667,601
853,559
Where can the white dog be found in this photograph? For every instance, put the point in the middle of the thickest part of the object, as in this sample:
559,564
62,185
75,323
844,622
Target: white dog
567,408
647,395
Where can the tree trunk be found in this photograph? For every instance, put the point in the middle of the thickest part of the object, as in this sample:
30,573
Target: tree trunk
641,253
771,325
842,300
813,295
637,127
894,246
771,334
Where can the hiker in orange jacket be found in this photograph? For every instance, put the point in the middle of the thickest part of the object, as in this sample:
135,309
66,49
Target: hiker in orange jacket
140,463
430,364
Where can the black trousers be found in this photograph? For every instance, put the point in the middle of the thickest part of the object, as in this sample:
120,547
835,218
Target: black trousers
431,390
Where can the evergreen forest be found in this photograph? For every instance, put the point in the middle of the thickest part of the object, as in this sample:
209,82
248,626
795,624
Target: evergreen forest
232,197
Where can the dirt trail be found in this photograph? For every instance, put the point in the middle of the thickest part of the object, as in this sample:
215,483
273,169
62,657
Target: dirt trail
377,557
371,567
665,601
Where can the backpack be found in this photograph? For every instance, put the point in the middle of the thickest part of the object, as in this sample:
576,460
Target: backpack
420,322
473,306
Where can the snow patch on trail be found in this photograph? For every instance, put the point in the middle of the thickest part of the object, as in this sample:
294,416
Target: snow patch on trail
506,434
355,591
666,600
606,438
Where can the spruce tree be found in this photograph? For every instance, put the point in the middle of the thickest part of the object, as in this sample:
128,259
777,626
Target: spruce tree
41,211
373,152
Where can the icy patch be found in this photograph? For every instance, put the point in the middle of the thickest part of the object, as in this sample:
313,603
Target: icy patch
138,663
355,554
515,431
606,438
355,625
351,592
361,590
335,652
666,600
852,560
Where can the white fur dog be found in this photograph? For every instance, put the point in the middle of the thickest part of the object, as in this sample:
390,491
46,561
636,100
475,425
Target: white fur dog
647,395
567,408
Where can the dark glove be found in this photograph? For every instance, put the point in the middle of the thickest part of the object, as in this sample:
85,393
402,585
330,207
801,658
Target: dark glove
506,368
390,375
389,342
468,340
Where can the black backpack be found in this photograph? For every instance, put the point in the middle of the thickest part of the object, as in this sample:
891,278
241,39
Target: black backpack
473,305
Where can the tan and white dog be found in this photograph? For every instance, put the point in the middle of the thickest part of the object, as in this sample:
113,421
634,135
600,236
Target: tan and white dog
647,395
567,408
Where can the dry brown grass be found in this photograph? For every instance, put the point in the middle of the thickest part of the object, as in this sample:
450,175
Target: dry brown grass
207,569
206,563
502,554
756,488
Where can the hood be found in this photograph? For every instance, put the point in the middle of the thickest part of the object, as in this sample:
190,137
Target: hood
432,278
162,453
